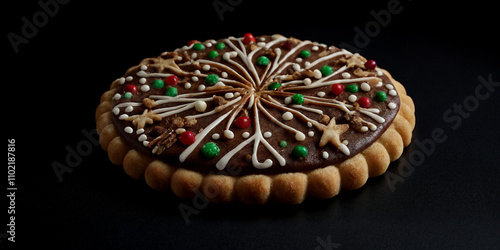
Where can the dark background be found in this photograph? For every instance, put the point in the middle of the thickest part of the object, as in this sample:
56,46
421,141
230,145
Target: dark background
441,195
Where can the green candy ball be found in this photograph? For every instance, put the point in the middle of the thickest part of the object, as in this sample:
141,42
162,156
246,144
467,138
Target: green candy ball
158,84
212,54
212,79
198,46
127,95
274,86
326,70
352,88
305,53
300,151
380,96
220,46
283,144
263,61
210,150
298,99
172,91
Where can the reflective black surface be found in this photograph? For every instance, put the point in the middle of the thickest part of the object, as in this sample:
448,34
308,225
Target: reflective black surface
441,193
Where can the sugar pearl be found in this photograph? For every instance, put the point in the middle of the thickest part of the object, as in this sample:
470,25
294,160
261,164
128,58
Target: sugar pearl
353,98
287,116
200,106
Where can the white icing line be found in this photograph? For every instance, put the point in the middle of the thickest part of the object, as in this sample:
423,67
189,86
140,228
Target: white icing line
199,137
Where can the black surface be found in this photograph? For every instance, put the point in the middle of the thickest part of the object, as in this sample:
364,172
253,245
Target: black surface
444,196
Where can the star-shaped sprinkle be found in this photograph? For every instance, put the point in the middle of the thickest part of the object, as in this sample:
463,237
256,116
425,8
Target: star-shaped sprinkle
147,117
170,64
332,133
355,61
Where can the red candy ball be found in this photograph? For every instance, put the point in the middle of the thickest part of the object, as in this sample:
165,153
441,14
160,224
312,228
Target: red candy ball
193,42
130,88
364,102
248,38
171,80
187,138
242,122
337,89
370,64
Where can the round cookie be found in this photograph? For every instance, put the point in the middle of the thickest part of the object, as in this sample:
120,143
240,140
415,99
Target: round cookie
255,119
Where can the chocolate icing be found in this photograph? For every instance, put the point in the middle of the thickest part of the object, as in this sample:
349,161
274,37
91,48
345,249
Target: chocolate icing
240,163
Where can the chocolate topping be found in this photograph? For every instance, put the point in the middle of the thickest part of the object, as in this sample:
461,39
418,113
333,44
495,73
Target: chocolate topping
261,80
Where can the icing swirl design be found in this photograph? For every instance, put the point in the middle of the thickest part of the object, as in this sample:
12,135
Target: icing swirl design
267,103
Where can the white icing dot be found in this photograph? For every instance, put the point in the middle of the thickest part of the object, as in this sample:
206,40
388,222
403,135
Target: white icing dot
307,64
226,56
229,95
379,72
197,72
288,100
201,87
200,106
142,80
194,79
325,154
392,105
206,67
352,98
262,39
216,136
187,85
123,117
144,67
145,143
317,74
309,124
346,75
228,134
268,134
117,96
287,116
220,84
321,94
296,67
261,44
245,135
194,55
298,59
365,86
143,137
379,84
145,88
121,80
373,127
307,81
116,111
310,133
128,130
180,131
224,74
364,129
392,92
388,86
129,78
129,108
315,48
139,131
300,136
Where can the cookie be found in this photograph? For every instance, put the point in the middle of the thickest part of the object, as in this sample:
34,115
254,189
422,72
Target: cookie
255,119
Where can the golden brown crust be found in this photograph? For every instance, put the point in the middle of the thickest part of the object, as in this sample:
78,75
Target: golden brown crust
291,188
